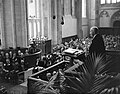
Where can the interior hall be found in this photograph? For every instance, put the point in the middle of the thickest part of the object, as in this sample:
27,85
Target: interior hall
59,46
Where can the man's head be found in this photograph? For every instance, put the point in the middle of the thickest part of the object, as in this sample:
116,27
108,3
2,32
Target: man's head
93,31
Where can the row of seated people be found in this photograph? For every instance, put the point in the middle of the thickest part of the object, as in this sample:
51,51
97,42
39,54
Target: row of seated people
13,63
12,59
49,75
80,44
112,42
50,59
57,55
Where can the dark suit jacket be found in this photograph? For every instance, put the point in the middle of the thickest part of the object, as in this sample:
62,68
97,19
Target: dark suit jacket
97,46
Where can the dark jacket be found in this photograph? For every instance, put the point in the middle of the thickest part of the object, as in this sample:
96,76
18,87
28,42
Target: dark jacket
97,46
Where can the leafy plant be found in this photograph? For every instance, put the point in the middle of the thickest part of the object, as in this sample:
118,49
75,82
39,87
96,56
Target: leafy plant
94,78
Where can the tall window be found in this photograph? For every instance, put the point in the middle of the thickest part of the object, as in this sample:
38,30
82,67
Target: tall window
83,8
109,1
34,26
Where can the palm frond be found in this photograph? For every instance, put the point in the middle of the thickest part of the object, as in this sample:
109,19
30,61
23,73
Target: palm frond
92,79
48,91
73,82
113,90
38,86
100,83
51,82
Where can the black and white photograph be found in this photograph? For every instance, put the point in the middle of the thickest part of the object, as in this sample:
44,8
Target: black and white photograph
59,46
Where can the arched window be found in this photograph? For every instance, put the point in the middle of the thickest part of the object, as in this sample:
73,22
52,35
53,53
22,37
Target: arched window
83,8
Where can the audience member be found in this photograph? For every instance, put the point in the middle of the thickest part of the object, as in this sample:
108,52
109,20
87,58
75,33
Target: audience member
54,72
10,54
48,75
2,53
32,49
26,52
14,58
8,66
6,55
19,53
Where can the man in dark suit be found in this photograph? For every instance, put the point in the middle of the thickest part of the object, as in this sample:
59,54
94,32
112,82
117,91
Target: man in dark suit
97,46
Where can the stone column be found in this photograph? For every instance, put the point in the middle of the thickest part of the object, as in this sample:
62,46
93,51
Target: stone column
46,16
88,13
20,20
78,12
97,19
2,36
17,22
24,23
53,22
67,7
92,13
42,18
56,27
9,23
73,8
59,20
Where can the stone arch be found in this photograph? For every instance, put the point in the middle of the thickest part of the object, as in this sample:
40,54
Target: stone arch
115,17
